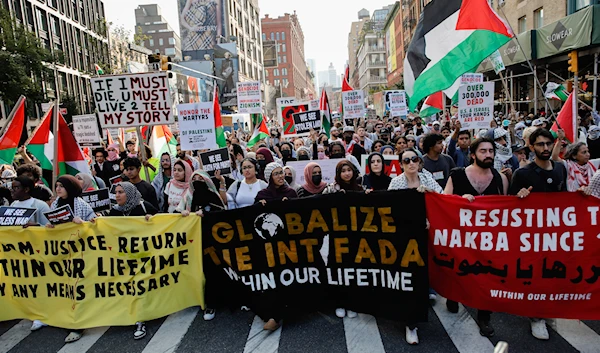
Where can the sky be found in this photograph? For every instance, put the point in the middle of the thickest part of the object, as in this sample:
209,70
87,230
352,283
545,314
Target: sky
325,23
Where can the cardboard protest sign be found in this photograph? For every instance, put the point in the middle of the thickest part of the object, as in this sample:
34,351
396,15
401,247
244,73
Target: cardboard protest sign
469,78
392,165
60,215
85,130
306,121
353,103
197,126
15,216
280,103
249,97
476,105
327,169
398,105
216,160
496,61
133,100
98,199
288,111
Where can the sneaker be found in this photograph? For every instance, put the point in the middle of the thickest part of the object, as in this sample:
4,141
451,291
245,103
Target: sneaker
452,306
432,296
209,314
37,324
351,314
140,330
340,312
411,336
73,336
271,325
539,329
485,329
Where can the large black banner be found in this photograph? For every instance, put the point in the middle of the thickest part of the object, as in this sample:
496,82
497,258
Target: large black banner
366,253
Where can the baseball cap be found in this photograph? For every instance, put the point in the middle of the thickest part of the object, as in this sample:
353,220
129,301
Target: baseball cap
348,128
385,130
518,147
537,122
9,174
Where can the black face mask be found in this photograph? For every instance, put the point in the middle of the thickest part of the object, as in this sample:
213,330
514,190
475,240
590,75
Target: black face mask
288,179
336,155
286,153
347,139
303,157
262,164
316,179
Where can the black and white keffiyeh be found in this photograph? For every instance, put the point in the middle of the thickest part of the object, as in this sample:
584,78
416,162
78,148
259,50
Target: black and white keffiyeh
133,197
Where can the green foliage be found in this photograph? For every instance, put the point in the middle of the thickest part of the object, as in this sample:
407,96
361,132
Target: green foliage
72,105
22,60
139,37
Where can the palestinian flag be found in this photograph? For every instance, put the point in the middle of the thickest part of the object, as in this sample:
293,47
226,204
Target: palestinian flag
433,104
453,37
566,120
219,129
9,142
260,129
325,113
556,91
162,140
98,69
346,83
41,146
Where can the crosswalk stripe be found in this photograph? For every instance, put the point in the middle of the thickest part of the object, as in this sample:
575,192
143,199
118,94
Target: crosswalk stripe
90,336
462,329
362,334
260,340
15,335
579,335
169,335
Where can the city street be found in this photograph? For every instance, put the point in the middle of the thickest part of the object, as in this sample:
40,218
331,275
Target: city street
186,331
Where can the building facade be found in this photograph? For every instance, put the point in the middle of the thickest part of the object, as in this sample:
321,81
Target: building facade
312,66
290,72
126,57
75,31
394,48
354,44
330,77
160,35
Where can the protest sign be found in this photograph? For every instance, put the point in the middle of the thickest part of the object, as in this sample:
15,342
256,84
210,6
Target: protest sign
115,272
98,199
60,215
280,103
496,61
15,216
305,121
133,100
533,257
197,126
288,111
216,160
392,165
470,78
476,105
349,250
398,107
327,169
353,103
249,97
85,130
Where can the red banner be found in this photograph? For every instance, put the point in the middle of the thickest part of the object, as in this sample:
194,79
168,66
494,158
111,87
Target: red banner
534,257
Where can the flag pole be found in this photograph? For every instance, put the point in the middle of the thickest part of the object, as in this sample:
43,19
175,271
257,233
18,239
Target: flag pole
55,118
142,151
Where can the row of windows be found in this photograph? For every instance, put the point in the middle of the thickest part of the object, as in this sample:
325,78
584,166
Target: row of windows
284,72
284,82
161,42
274,36
538,20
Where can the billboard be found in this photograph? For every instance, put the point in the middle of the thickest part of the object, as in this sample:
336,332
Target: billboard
201,22
391,47
227,68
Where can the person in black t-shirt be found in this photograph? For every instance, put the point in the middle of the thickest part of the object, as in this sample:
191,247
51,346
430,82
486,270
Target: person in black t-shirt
131,170
33,172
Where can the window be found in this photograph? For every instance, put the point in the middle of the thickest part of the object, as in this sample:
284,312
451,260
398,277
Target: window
161,42
276,83
277,35
282,35
284,72
284,59
283,48
579,4
264,36
522,24
279,59
272,36
151,42
285,82
538,18
170,51
266,73
171,41
275,72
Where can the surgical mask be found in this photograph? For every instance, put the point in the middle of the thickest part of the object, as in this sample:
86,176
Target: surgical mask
519,133
321,155
303,157
112,155
262,164
316,179
286,153
289,179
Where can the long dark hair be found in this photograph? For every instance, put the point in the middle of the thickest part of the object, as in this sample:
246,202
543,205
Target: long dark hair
353,185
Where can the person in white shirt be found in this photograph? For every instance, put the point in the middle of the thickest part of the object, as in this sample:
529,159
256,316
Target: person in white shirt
21,193
242,193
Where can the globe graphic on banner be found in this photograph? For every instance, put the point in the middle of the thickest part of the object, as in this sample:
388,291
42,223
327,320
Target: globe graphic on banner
268,225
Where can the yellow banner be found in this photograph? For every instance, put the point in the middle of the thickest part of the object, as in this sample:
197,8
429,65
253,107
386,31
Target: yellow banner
115,272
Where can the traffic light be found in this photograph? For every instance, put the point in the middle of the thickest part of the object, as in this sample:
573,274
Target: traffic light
573,67
153,58
164,63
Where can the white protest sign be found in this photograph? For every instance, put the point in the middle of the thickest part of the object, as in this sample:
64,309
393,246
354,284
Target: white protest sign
280,103
249,97
85,130
469,78
197,126
133,100
496,61
327,169
476,105
398,106
354,104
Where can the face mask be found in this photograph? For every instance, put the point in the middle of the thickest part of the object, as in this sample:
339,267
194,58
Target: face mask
347,139
262,164
303,157
321,155
286,153
112,155
316,179
288,179
337,155
528,122
593,135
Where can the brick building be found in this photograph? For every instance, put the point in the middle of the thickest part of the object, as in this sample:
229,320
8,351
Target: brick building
289,72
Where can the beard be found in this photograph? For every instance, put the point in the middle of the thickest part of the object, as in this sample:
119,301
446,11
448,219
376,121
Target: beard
544,156
485,164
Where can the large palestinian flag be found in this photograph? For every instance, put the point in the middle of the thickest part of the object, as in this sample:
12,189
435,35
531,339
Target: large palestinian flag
452,37
9,142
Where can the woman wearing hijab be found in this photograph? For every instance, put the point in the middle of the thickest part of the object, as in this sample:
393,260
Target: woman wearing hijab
86,182
130,203
313,181
113,153
346,179
387,150
290,177
376,179
177,187
303,153
287,152
263,158
278,188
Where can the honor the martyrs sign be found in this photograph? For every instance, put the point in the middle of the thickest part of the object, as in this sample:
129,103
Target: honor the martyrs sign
368,255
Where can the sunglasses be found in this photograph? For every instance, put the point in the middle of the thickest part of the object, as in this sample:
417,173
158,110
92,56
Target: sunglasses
413,159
